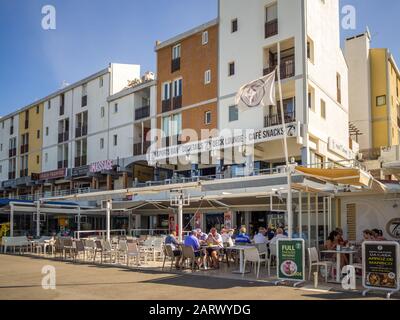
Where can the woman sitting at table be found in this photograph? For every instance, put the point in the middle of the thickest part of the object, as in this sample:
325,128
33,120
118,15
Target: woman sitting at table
332,243
214,241
242,237
342,242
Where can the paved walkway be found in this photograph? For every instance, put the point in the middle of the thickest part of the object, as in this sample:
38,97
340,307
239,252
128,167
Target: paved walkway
21,278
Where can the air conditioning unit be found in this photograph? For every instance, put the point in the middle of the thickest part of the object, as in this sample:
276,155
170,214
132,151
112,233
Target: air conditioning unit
148,76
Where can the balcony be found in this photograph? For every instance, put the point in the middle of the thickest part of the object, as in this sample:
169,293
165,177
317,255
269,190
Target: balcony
276,119
137,148
62,110
63,136
142,112
11,130
23,173
62,164
177,102
26,124
11,175
287,69
12,152
271,28
84,101
80,161
175,65
166,105
80,131
24,148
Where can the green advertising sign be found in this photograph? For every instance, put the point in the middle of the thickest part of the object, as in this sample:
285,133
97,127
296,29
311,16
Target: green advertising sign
291,259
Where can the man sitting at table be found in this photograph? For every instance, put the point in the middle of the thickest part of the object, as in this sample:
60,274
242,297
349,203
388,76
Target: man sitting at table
171,240
201,235
279,235
214,241
260,238
193,241
242,237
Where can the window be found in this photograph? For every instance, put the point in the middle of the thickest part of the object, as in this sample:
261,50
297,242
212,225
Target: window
176,52
207,117
46,157
49,104
1,169
176,125
115,140
84,89
207,77
47,131
177,88
37,109
323,109
231,69
166,94
234,25
101,82
339,87
271,20
102,112
115,107
311,102
233,113
165,126
1,147
381,101
37,159
38,134
101,143
310,50
204,38
2,125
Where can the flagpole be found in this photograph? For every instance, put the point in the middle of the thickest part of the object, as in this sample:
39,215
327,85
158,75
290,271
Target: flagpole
289,175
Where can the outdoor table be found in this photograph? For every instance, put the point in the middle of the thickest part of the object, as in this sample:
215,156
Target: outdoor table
338,256
241,257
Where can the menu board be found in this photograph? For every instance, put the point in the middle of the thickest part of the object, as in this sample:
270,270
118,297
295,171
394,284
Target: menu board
291,259
380,265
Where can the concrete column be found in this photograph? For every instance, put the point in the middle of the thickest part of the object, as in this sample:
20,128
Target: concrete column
38,218
125,180
94,183
109,182
108,219
11,220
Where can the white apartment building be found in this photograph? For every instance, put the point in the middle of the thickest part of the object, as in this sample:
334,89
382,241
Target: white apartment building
9,128
313,71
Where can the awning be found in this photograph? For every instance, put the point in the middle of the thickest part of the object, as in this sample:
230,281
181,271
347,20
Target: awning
345,176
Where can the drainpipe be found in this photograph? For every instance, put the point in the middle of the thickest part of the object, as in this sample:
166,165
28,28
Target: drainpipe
11,219
38,218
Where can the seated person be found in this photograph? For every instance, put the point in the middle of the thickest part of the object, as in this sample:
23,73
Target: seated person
378,235
332,243
201,235
299,235
226,235
215,241
342,242
260,238
171,240
368,235
279,235
193,241
242,237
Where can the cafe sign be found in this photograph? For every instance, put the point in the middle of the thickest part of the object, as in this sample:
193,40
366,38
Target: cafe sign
55,174
290,260
381,265
237,139
99,166
340,149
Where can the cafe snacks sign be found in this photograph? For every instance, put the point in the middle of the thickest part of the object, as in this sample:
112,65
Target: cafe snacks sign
291,260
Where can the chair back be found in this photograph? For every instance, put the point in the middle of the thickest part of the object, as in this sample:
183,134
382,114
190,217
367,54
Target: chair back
168,251
99,245
132,247
251,254
90,244
123,246
79,246
107,246
67,242
148,242
59,244
272,248
188,252
261,247
313,255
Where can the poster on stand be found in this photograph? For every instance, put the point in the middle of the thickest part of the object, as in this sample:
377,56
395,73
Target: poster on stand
290,260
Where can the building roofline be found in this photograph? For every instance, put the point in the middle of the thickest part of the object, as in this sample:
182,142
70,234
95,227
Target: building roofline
127,91
58,92
186,34
391,59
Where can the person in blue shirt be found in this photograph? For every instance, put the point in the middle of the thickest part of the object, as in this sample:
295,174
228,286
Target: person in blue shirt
193,241
171,240
242,237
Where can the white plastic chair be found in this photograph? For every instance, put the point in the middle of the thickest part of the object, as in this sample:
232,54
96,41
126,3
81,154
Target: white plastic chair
313,259
252,255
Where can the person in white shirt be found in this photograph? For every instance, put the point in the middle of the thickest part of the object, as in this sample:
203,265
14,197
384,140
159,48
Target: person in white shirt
260,237
226,235
278,235
215,242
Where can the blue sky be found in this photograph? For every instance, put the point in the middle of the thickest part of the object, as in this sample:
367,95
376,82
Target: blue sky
91,33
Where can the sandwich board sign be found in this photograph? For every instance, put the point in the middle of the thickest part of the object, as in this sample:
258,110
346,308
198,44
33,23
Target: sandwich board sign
290,260
381,266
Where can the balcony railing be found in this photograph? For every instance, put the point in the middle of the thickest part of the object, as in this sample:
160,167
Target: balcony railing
271,28
63,136
287,69
11,175
137,148
12,152
276,119
23,173
175,65
62,164
84,101
81,131
166,105
177,102
80,161
24,148
142,112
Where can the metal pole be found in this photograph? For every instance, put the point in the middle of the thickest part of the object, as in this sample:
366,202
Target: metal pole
38,218
108,218
289,177
79,222
11,220
324,200
180,217
316,221
300,214
309,219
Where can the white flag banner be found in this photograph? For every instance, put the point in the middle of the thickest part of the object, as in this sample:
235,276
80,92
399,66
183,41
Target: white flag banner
258,93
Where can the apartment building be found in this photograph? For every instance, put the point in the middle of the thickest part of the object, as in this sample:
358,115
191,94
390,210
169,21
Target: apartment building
9,140
312,69
187,77
374,82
